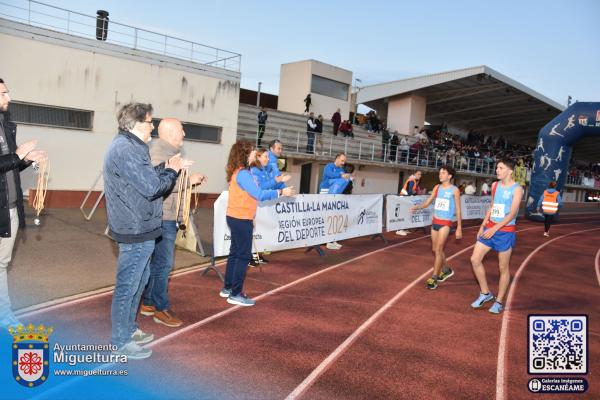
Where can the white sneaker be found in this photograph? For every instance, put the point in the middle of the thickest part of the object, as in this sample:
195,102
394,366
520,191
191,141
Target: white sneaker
546,234
141,338
401,232
134,351
337,244
332,246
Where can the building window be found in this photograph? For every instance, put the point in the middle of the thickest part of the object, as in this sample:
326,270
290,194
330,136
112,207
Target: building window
329,87
195,132
59,117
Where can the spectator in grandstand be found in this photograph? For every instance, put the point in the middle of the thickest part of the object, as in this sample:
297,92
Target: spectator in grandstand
155,300
373,122
134,190
549,204
393,146
410,188
404,147
470,189
485,188
336,119
244,193
346,129
463,161
311,126
13,160
307,103
461,188
520,173
497,232
319,134
262,123
334,181
446,218
385,142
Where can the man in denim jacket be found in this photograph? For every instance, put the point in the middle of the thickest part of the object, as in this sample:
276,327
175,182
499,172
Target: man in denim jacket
134,190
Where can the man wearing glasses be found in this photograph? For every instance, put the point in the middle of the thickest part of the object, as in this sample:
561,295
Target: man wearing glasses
134,190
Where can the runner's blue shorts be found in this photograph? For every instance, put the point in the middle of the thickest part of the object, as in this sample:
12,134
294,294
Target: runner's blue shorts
501,241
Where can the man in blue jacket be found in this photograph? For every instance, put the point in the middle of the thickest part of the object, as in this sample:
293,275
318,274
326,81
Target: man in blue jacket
334,181
134,190
272,168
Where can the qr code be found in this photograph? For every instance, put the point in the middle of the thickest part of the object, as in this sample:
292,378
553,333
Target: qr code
557,344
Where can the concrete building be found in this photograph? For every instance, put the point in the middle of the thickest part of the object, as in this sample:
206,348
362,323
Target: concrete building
67,88
328,85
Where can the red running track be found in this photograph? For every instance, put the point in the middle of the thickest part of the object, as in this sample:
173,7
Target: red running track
359,323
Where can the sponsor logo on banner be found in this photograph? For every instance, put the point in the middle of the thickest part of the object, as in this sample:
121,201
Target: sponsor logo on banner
305,220
30,354
398,215
583,120
474,207
367,217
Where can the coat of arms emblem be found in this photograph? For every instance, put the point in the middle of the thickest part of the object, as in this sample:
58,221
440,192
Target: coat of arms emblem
30,354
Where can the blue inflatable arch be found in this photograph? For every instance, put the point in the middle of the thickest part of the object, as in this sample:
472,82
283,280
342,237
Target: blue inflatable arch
554,147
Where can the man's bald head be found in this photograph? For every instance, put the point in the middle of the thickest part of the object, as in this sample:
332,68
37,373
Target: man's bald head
171,131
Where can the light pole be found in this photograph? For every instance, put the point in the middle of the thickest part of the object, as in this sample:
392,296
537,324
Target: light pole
258,95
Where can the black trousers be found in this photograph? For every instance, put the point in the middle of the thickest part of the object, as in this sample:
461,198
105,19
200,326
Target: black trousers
261,132
548,218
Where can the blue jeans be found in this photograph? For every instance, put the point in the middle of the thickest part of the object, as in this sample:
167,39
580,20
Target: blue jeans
6,249
132,275
240,253
310,144
161,264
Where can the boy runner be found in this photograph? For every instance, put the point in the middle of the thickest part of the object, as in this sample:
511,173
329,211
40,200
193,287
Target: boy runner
497,232
446,215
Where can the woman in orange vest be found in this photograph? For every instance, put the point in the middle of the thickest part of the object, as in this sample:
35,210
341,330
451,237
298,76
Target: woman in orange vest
244,193
549,203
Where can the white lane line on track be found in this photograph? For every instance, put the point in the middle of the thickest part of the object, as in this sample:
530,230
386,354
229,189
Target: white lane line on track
500,371
82,297
598,266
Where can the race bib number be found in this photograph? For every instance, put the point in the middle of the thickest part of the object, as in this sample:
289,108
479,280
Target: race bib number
498,211
442,204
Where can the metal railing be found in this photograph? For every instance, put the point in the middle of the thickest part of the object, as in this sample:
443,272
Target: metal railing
582,181
297,143
46,16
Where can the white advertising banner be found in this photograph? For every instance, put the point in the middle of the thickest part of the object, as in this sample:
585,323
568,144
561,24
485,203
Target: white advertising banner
474,207
304,220
398,215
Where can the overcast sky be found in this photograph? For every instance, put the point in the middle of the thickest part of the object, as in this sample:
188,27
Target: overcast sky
551,46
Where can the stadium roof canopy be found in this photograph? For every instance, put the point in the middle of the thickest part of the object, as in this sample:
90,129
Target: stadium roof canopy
481,99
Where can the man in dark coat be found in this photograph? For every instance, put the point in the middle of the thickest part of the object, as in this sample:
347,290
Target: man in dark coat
13,160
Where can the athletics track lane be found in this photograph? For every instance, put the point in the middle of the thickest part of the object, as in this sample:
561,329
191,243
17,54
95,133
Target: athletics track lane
286,335
431,344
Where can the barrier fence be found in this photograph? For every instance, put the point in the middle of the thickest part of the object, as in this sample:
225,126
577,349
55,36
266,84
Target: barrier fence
314,219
